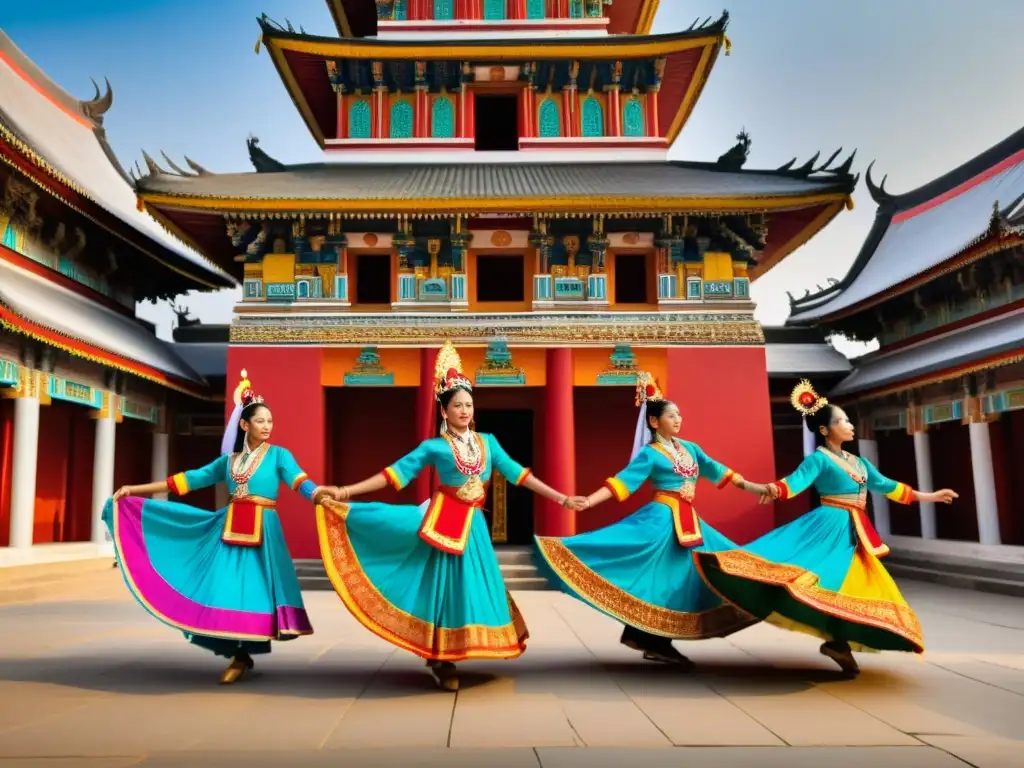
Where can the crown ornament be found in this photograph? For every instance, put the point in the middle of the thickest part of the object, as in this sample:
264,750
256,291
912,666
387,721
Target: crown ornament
244,394
448,373
806,400
647,389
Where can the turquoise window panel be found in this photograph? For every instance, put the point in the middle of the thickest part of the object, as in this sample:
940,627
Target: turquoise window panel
550,120
494,10
576,9
359,120
592,118
535,9
444,10
401,120
442,122
633,118
401,10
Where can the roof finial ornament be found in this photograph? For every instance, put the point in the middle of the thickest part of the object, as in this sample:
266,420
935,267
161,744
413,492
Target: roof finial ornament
98,105
878,193
734,159
174,166
154,169
197,167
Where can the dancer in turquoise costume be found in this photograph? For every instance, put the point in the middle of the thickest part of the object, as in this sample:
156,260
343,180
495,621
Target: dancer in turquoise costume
224,578
426,578
821,574
639,570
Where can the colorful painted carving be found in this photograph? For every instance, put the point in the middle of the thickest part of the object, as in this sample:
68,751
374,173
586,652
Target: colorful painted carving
498,370
622,370
368,371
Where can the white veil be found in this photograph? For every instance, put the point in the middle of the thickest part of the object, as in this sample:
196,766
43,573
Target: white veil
809,445
642,436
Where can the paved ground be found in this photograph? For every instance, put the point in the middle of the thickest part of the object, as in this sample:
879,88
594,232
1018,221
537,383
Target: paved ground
88,680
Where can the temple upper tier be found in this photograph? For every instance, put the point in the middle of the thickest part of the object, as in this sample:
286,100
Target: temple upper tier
546,92
370,18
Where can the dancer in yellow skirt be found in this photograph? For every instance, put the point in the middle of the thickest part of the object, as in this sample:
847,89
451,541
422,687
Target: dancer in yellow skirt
821,574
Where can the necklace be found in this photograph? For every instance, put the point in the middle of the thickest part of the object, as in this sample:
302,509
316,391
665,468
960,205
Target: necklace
469,459
682,462
244,467
849,464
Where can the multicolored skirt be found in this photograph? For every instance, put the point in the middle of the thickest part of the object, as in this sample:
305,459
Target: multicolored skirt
636,571
815,575
441,606
224,597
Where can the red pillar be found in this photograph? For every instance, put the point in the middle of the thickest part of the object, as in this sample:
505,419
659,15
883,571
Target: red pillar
560,445
342,118
653,127
426,414
614,112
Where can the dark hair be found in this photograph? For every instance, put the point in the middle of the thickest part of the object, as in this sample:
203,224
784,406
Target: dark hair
446,398
247,413
655,410
815,421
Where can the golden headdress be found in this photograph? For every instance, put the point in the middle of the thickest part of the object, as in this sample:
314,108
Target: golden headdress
244,393
647,389
448,371
806,401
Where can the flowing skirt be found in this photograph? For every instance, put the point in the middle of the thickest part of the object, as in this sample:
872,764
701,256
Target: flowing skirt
636,571
440,606
224,597
814,576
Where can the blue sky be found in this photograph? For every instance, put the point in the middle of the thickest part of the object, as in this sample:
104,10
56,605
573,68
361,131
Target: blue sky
919,86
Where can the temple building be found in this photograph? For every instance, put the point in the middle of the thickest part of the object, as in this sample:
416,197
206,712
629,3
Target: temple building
85,386
939,282
496,174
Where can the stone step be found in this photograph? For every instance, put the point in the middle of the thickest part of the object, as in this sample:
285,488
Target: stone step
514,555
961,566
951,578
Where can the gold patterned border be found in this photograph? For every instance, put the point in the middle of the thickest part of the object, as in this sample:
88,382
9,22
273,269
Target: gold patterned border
803,585
618,603
377,614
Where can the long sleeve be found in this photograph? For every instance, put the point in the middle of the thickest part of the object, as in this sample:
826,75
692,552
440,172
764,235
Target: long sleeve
879,483
405,470
292,475
712,470
628,481
504,464
802,478
196,479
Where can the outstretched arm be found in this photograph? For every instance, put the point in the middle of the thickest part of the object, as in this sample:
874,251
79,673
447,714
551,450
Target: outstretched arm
291,474
721,475
398,475
181,483
626,483
902,493
516,473
799,481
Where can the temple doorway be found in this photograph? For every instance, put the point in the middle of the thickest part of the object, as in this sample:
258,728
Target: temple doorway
497,122
510,508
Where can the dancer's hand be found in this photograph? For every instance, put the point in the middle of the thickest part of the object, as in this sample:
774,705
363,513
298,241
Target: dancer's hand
341,494
579,503
944,496
124,490
766,499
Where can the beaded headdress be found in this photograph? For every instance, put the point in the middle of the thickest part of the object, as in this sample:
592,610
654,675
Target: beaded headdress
448,371
647,390
243,396
806,401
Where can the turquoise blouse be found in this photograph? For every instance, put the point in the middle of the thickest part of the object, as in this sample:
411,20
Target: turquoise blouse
654,463
437,452
276,466
845,477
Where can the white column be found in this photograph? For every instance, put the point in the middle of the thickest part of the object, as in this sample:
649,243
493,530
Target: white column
923,457
984,484
869,451
103,471
160,462
23,474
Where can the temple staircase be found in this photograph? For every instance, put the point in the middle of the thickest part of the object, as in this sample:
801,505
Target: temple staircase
964,565
516,563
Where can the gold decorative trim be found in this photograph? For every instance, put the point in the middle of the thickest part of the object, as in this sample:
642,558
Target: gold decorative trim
648,11
616,602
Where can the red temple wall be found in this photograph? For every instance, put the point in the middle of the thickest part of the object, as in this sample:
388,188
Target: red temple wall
289,379
896,461
63,509
950,448
723,395
6,467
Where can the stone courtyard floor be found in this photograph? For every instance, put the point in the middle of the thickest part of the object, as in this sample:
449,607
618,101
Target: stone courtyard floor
88,680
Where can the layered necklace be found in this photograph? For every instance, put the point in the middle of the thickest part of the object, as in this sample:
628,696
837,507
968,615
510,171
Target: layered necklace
682,462
245,465
849,464
469,459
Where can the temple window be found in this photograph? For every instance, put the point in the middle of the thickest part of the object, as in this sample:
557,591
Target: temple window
633,118
494,10
592,118
444,10
401,10
576,9
535,9
442,122
401,120
359,120
550,122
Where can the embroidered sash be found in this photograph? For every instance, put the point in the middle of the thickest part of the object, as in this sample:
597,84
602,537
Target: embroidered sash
866,533
448,519
684,518
243,523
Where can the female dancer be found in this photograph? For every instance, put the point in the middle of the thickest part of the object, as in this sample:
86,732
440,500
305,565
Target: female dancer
426,578
639,570
820,574
224,578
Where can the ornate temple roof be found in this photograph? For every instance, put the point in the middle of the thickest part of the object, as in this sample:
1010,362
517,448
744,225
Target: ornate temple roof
33,306
302,60
919,231
358,18
58,140
938,358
